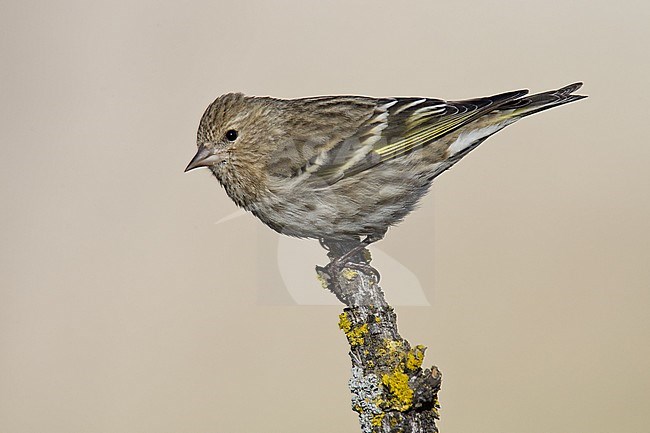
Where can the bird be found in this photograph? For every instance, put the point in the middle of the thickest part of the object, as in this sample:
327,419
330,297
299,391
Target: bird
346,168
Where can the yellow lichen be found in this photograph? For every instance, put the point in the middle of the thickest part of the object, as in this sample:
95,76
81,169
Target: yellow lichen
349,274
344,322
323,281
377,419
354,334
394,345
397,383
415,357
392,351
436,407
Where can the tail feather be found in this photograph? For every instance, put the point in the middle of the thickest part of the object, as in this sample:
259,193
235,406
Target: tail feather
506,113
532,104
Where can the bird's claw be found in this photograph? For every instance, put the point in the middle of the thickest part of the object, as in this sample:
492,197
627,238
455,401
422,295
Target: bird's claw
336,266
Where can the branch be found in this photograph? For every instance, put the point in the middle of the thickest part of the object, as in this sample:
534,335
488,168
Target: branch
390,390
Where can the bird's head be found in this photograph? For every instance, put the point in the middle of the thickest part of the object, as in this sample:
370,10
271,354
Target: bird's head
219,131
234,137
234,126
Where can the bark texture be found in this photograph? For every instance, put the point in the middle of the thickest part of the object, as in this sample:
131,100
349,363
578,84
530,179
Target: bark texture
391,391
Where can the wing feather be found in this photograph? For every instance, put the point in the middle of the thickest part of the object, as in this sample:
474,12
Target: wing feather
399,126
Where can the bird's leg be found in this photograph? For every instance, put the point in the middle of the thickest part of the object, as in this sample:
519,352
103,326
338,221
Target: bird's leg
338,247
345,258
337,264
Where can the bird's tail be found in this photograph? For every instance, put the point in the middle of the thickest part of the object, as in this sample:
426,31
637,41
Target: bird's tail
532,104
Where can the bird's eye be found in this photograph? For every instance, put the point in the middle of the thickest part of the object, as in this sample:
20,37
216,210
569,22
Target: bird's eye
231,135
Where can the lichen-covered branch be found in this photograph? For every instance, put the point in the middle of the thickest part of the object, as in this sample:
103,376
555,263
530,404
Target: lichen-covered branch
390,389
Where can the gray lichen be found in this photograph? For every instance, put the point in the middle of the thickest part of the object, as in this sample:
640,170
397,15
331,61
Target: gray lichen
365,394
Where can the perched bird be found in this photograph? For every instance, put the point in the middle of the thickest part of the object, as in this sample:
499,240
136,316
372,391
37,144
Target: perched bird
338,168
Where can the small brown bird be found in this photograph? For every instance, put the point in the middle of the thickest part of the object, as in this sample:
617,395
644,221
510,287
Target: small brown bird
337,168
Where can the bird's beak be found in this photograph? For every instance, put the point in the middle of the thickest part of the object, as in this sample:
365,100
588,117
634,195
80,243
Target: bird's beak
204,157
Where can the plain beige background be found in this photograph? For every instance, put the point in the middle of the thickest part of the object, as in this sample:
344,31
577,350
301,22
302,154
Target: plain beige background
124,308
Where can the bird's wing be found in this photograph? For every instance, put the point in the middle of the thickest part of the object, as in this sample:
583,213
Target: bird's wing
397,127
311,127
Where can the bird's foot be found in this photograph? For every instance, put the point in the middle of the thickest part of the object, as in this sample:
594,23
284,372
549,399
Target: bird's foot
349,254
337,265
